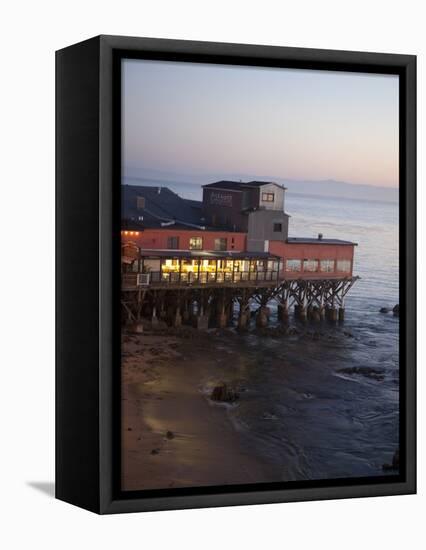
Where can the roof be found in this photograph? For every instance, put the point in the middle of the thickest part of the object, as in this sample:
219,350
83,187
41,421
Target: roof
205,254
240,185
161,206
308,240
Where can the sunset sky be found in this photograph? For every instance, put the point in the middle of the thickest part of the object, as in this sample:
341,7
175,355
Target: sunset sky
199,119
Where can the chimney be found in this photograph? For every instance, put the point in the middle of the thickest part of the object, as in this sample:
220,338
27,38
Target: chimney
319,236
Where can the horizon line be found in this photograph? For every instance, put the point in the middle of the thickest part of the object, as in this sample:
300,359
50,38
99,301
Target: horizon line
267,179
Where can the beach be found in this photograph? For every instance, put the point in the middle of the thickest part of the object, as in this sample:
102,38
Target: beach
173,435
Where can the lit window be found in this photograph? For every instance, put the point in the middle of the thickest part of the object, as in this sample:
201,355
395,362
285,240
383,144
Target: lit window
293,265
278,227
173,243
195,243
344,266
327,266
268,197
310,265
220,244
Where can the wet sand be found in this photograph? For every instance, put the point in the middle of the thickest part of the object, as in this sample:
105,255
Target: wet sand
172,434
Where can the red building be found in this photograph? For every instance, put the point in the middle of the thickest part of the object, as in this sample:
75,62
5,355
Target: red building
239,232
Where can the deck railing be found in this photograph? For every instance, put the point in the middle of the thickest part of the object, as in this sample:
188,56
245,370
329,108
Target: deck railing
189,278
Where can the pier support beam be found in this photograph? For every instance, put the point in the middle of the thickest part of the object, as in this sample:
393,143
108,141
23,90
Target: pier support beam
331,314
202,322
154,318
177,320
222,319
186,316
137,328
300,312
282,313
315,315
262,316
341,314
243,320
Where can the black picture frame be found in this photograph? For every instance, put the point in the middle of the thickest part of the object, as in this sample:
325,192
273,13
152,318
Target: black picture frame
88,279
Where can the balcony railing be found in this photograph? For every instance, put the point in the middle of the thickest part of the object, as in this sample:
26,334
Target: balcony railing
203,278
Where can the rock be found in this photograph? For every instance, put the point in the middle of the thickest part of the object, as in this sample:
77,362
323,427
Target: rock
170,435
155,451
384,310
223,393
395,462
395,310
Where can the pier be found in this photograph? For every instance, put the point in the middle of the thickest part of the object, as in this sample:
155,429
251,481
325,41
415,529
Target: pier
226,260
205,303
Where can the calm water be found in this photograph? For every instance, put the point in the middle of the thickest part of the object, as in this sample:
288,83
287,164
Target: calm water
309,419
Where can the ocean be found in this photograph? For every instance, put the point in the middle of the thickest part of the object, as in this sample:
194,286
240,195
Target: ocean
324,403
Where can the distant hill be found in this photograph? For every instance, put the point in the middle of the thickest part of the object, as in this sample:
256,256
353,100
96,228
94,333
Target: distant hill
190,185
341,189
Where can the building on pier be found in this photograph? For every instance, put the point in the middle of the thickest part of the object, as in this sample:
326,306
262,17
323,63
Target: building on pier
236,238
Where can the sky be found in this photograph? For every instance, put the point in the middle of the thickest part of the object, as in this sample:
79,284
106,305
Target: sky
203,119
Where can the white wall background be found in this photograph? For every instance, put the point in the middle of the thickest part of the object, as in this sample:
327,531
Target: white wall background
30,32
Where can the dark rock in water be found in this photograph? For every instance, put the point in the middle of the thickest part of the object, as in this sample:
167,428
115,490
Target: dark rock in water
223,393
170,435
375,374
155,451
395,463
348,334
395,460
396,310
384,310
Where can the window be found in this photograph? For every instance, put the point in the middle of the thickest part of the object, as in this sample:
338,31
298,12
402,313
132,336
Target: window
140,203
310,265
278,227
173,243
268,197
344,266
327,266
220,244
293,265
195,243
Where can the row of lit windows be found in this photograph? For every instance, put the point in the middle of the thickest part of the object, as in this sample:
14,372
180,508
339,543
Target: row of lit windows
324,266
130,233
196,243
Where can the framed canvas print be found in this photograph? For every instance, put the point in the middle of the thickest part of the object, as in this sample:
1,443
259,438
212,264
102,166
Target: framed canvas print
235,274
